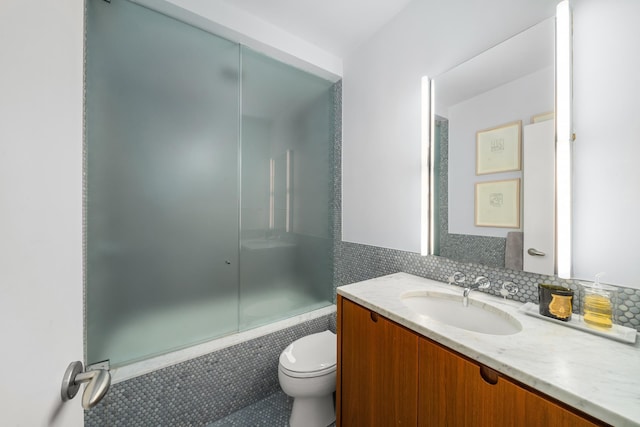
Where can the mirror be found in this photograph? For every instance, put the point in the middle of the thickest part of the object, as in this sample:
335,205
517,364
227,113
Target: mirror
484,112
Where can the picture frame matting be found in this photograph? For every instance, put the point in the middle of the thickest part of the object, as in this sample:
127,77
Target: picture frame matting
497,203
499,149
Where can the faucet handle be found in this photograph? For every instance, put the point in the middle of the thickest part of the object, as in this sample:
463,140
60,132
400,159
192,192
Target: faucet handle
508,288
457,278
482,282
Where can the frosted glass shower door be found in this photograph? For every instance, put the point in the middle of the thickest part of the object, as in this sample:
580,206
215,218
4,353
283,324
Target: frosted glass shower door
287,188
162,161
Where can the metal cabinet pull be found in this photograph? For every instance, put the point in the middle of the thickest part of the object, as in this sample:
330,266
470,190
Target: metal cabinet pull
374,316
535,252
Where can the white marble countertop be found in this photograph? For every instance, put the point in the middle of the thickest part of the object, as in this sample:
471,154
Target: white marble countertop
596,375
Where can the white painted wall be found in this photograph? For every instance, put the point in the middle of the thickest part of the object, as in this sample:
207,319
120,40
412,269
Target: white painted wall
517,100
381,107
607,147
41,321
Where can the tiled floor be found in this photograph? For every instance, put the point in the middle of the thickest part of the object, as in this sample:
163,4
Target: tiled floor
270,412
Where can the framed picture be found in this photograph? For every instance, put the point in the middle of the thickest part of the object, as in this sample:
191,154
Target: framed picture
498,149
543,117
498,204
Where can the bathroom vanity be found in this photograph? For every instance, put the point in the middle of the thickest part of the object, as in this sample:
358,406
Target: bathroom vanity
400,367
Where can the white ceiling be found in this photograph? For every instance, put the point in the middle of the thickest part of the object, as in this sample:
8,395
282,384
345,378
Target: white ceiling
337,26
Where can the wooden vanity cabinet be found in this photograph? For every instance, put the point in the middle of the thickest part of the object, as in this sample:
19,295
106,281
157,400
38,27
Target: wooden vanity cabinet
454,391
391,376
377,370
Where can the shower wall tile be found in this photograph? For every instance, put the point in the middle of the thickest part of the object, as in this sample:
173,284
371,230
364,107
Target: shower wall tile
204,389
333,322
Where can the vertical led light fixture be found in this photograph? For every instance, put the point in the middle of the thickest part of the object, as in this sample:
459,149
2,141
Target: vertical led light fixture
426,202
564,137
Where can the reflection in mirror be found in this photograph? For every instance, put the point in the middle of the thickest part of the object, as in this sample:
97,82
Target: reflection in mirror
280,194
512,82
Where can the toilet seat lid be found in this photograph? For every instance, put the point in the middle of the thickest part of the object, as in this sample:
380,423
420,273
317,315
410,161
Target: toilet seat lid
315,352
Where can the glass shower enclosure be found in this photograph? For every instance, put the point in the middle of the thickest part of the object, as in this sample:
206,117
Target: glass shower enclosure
208,186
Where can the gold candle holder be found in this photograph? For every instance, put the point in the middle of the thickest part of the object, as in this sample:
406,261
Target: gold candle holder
555,301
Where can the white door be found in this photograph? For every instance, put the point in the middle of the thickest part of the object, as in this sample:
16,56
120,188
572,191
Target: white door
539,198
41,317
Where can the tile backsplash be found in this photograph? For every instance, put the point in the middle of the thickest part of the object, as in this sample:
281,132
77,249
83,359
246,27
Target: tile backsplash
355,262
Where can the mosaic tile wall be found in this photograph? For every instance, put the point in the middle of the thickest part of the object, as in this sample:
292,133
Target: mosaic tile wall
204,389
355,262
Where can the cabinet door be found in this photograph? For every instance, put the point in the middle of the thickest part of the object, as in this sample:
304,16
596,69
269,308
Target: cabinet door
452,391
456,392
378,369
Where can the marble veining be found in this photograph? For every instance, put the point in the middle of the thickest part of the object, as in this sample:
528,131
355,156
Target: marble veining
597,376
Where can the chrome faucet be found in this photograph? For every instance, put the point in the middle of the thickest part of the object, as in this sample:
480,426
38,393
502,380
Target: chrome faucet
481,282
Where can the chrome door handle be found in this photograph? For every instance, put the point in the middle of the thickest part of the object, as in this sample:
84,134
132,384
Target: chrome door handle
98,382
535,252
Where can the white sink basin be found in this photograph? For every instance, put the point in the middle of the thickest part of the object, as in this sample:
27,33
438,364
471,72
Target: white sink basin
448,309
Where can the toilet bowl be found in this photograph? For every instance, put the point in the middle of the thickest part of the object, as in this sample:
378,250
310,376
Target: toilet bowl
307,372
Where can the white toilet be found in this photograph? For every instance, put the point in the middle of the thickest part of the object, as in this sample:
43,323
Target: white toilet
307,372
